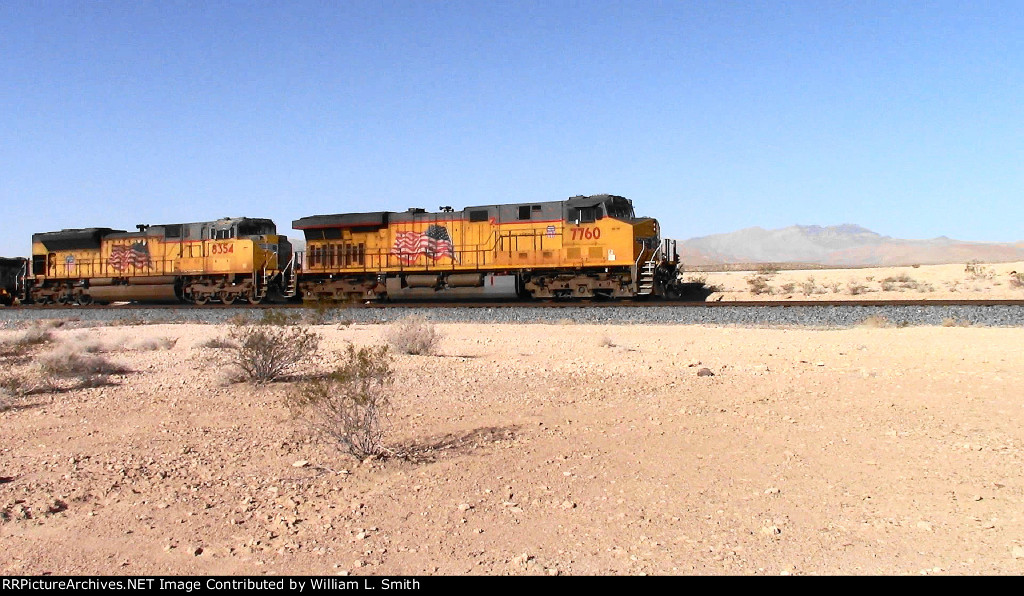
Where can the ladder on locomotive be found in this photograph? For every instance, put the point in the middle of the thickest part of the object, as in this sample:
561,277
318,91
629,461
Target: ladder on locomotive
646,286
291,276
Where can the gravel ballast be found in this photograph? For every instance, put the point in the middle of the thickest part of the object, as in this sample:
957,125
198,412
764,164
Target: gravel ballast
829,316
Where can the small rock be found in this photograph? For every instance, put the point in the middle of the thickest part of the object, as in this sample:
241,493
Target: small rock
771,491
1018,552
465,506
197,551
568,505
923,525
300,464
771,530
705,372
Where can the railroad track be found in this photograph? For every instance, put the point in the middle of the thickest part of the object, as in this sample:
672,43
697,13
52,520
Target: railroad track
506,303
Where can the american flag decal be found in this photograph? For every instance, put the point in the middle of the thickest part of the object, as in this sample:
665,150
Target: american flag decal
123,256
434,244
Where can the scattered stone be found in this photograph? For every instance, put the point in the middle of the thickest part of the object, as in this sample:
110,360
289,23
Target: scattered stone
1018,552
771,491
923,525
568,505
705,372
300,464
465,506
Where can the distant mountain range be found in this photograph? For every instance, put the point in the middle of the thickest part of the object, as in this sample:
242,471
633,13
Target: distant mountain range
845,244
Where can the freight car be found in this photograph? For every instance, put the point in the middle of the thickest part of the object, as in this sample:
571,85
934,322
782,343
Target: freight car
583,247
12,279
227,260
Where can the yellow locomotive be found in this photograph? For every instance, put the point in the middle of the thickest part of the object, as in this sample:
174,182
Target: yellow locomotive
583,247
228,260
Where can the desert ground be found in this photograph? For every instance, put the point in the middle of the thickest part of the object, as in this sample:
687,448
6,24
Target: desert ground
528,449
962,281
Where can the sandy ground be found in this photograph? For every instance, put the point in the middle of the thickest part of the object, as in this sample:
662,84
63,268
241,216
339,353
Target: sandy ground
535,449
968,281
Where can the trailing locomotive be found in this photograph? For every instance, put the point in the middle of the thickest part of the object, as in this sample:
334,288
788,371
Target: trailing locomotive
583,247
228,260
12,279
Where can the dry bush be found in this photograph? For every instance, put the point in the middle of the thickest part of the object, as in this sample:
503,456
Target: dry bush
69,362
767,269
153,344
952,322
414,335
759,285
264,353
787,288
36,334
807,287
12,389
278,318
855,288
876,322
351,405
975,270
218,343
1016,280
320,312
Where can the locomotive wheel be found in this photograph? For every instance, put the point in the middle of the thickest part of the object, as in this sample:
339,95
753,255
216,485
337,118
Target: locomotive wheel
85,300
202,299
255,298
227,297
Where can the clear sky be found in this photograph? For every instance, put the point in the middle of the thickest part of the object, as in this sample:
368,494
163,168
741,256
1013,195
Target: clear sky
904,117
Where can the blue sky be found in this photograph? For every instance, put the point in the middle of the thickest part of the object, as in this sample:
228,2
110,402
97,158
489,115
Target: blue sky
904,117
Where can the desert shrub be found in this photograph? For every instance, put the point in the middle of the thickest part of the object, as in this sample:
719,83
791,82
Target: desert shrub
975,270
153,344
218,343
952,322
351,405
320,312
1016,279
12,387
835,287
807,287
876,322
759,285
69,362
129,320
241,318
606,342
855,288
788,288
34,335
767,269
278,318
414,335
264,353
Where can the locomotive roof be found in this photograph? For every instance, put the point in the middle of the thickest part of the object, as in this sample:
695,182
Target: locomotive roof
72,239
382,218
